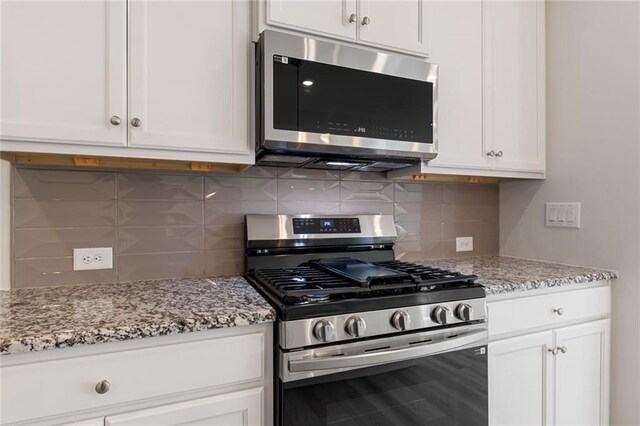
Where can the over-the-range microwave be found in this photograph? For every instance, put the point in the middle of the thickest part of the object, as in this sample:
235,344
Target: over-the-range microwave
336,106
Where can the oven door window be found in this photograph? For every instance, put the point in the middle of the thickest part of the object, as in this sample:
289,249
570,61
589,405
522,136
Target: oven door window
319,98
447,389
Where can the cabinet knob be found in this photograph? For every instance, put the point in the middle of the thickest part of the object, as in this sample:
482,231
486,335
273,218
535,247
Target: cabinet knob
499,154
136,122
353,18
366,20
563,349
559,311
115,120
103,386
491,153
554,351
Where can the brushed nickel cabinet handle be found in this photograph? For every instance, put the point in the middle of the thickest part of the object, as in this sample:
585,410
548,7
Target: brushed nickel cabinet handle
115,120
559,311
136,122
491,153
563,349
353,18
366,20
554,351
103,386
499,154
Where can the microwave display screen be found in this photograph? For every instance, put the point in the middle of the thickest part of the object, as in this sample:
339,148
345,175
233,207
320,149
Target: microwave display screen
320,98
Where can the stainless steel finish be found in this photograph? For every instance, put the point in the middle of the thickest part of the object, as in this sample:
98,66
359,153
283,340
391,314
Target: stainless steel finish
499,154
336,358
563,349
554,351
324,331
463,311
401,320
366,20
355,326
300,333
103,386
280,227
353,18
136,122
491,153
440,314
115,120
277,43
559,311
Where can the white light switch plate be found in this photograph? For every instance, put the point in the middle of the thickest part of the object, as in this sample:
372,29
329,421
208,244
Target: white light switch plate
85,259
464,244
562,215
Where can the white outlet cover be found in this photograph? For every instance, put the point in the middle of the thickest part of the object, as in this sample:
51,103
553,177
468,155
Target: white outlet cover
85,259
464,244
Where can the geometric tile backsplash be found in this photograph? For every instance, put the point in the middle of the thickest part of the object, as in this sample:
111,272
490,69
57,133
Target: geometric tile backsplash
171,224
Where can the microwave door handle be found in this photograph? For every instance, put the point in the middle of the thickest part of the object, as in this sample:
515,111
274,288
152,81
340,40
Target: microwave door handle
383,357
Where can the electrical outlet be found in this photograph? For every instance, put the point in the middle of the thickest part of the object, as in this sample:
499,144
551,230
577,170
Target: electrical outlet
92,258
464,244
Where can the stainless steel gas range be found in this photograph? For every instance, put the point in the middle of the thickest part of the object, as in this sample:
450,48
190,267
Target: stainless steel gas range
362,338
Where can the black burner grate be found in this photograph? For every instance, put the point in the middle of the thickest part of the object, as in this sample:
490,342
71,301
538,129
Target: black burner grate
311,280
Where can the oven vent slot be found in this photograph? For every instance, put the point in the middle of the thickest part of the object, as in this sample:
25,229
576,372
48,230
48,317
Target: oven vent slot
335,355
421,341
451,336
377,349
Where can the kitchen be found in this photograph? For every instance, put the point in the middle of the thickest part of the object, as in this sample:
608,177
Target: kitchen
156,193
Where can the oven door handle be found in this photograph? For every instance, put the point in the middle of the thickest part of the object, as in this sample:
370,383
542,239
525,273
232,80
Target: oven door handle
383,357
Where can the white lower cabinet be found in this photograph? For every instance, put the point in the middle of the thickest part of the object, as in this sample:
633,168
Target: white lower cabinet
519,374
234,409
216,377
558,376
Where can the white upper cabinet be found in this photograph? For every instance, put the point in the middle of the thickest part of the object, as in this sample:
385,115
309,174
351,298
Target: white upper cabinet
457,49
189,75
330,18
396,25
63,75
514,83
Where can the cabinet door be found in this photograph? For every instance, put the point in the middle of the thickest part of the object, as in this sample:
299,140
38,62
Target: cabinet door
63,73
582,374
396,25
519,380
329,18
242,408
189,75
514,83
456,28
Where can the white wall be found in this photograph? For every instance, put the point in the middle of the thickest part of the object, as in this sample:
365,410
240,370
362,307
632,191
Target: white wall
593,156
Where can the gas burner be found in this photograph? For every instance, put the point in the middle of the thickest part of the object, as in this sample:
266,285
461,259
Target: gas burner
314,298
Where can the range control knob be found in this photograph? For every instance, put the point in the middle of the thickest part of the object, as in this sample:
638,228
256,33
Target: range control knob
440,314
355,326
463,311
324,331
401,320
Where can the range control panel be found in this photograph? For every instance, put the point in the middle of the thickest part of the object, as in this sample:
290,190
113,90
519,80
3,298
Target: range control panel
341,225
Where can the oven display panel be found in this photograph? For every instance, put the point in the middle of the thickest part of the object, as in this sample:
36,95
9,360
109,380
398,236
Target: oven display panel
340,225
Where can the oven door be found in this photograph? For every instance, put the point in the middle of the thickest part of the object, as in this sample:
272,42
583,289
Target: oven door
429,378
322,98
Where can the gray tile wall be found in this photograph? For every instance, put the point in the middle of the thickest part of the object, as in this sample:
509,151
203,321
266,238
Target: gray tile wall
177,225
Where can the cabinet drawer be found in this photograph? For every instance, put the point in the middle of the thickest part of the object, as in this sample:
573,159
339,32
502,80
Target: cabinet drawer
508,316
53,387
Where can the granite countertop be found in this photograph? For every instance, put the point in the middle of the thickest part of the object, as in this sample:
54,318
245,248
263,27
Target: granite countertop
502,274
35,319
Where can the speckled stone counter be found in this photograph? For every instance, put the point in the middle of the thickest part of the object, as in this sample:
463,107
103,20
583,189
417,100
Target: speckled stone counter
501,274
36,319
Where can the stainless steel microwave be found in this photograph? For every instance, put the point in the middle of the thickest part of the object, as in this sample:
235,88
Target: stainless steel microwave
336,106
